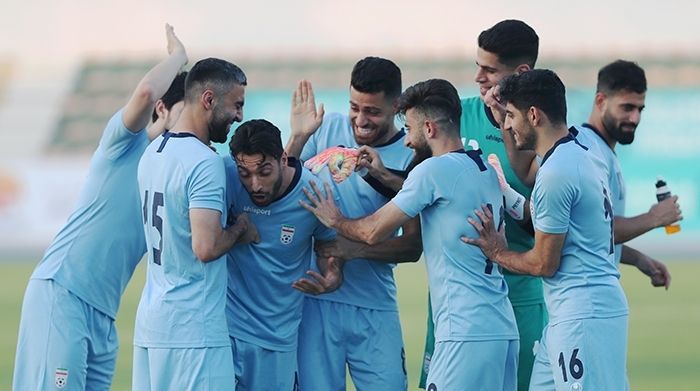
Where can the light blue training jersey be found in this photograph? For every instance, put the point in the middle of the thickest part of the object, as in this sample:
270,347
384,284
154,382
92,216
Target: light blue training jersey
262,308
571,197
366,283
184,301
591,137
468,293
95,253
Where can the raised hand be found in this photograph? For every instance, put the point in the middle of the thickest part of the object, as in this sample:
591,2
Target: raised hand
174,44
305,119
323,206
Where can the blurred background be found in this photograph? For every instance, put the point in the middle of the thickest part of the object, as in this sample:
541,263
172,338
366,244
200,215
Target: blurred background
66,67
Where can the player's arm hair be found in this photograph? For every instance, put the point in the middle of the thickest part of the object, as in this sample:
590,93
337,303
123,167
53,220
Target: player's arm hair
407,247
138,111
209,240
543,260
375,228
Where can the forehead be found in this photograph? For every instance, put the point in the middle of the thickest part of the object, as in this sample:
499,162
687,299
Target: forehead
364,99
253,162
488,59
627,97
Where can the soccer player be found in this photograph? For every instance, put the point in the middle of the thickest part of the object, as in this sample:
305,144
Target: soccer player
263,309
181,337
358,324
616,113
584,345
67,337
477,339
509,47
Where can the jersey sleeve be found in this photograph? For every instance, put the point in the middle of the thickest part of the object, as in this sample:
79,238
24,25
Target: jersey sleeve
116,137
206,185
555,193
418,191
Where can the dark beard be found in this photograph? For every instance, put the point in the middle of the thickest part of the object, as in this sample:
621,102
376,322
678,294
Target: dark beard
615,131
419,155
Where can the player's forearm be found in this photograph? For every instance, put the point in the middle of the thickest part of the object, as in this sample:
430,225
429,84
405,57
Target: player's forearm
218,243
399,249
364,230
630,256
151,88
628,228
390,180
526,263
295,144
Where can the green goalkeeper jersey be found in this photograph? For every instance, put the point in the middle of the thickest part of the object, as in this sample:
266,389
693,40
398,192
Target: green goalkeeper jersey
479,130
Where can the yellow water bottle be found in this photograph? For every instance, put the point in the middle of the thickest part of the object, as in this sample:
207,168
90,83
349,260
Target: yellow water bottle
662,192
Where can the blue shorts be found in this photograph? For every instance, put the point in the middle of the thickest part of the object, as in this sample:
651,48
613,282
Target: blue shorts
474,365
63,342
582,354
261,369
201,369
369,341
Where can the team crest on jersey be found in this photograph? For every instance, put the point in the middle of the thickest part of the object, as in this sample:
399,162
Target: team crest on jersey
61,377
287,234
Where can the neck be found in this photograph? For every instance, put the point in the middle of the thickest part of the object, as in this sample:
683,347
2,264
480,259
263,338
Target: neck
189,122
596,120
287,176
547,137
441,146
391,133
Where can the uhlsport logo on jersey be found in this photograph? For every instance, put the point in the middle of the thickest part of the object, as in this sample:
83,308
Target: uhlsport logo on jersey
287,234
61,377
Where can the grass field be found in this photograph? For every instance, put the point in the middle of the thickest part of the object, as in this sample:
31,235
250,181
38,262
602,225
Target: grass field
664,346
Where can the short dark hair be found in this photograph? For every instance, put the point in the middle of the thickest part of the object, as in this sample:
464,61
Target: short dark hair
621,75
257,136
373,75
174,94
215,74
513,41
437,99
540,88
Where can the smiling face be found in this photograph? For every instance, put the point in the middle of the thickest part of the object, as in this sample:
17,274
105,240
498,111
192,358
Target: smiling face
225,111
490,71
621,113
517,122
371,117
261,176
415,137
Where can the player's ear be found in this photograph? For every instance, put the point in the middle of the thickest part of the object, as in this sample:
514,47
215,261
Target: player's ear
284,159
522,68
534,115
207,99
160,109
599,101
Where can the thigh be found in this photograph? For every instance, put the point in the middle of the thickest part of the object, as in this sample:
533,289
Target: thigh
480,365
321,349
205,369
52,341
589,354
103,346
141,370
375,353
261,369
531,320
